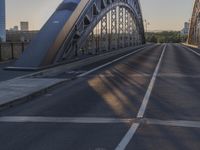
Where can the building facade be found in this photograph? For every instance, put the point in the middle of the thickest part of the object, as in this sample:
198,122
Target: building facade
185,30
20,36
24,26
2,21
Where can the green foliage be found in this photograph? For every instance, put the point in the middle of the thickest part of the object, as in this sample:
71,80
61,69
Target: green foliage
165,37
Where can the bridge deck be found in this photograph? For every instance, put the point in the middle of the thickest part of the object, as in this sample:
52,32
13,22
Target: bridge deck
105,109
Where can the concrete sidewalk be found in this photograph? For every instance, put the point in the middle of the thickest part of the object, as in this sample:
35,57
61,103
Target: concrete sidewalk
19,89
192,46
25,87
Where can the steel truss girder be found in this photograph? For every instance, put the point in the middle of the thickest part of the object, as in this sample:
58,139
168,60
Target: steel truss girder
117,27
138,23
194,32
126,21
113,36
121,27
63,35
104,32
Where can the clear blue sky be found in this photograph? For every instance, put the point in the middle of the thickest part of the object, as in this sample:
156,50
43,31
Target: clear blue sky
162,14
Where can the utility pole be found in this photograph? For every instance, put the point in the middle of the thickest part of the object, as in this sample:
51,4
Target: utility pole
146,26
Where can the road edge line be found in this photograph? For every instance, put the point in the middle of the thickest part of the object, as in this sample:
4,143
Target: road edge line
190,49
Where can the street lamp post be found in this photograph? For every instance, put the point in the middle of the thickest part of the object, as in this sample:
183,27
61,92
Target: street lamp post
146,27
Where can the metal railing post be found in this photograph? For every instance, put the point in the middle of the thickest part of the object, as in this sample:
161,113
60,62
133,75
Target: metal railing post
12,51
22,47
0,52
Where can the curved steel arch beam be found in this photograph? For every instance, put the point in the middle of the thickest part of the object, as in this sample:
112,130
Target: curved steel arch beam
47,47
97,18
194,37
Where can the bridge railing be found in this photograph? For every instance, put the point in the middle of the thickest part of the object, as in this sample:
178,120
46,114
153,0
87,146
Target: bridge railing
11,50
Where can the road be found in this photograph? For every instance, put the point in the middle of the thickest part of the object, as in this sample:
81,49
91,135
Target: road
147,101
10,74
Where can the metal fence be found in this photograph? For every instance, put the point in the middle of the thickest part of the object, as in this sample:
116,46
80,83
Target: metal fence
9,51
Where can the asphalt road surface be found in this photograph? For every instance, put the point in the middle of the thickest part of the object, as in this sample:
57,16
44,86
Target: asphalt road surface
147,101
10,74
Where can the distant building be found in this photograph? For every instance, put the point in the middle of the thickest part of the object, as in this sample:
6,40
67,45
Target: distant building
24,26
15,28
20,36
185,30
2,21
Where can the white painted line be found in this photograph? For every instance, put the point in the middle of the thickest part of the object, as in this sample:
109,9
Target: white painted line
96,120
177,123
124,142
122,145
109,63
81,120
150,88
178,75
189,49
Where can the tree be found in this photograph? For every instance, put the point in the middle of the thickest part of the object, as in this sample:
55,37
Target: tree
164,37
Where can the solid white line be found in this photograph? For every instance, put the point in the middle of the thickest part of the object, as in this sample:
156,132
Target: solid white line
189,49
122,145
126,139
83,120
177,123
150,88
178,75
96,120
111,62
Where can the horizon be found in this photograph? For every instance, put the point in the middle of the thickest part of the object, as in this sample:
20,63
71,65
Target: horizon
164,21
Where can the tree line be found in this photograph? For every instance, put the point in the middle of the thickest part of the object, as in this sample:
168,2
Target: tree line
165,37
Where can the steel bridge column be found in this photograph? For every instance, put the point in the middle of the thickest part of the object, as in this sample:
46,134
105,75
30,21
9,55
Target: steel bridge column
104,32
126,26
91,43
114,28
121,27
130,30
109,30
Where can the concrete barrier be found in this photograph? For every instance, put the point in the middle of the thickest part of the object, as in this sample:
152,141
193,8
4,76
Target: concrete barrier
87,61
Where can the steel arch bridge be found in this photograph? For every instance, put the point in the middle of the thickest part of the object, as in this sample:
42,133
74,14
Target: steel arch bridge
194,33
84,27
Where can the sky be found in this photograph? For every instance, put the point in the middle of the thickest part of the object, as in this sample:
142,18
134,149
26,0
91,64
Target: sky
166,14
161,14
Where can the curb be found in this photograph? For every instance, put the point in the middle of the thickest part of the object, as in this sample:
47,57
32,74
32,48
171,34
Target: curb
189,45
58,69
40,92
29,97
